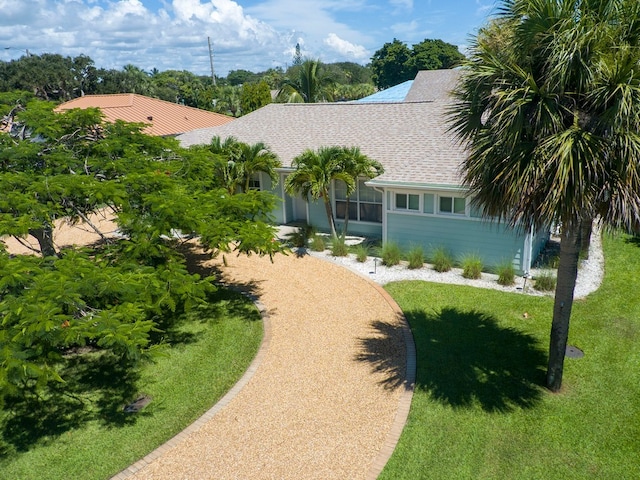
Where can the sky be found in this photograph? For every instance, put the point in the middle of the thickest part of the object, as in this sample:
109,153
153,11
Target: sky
252,35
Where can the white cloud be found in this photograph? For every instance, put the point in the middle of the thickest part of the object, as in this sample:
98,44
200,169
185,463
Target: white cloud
345,48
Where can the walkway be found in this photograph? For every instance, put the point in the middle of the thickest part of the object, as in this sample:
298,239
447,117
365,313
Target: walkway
330,394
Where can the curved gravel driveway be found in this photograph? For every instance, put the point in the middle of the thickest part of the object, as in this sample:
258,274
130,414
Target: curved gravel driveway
330,395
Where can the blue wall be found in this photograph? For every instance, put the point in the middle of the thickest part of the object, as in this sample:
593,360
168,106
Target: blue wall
494,243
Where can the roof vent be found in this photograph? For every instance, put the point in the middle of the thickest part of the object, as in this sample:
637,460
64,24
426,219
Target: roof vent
150,118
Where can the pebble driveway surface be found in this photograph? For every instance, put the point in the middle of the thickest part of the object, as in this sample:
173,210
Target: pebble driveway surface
331,388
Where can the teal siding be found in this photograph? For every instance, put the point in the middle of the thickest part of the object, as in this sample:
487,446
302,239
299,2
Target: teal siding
275,188
540,239
318,215
494,243
373,230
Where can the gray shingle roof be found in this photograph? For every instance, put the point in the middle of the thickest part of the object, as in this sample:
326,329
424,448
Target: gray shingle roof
410,139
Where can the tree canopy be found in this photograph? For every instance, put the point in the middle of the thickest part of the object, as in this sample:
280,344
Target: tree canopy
549,107
395,62
119,295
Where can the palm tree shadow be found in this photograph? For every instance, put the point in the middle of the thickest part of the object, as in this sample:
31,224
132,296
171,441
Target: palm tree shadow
466,359
386,352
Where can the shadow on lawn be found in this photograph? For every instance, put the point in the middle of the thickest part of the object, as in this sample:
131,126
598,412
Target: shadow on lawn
465,359
88,394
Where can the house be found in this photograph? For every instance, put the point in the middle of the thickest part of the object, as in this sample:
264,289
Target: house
163,118
418,200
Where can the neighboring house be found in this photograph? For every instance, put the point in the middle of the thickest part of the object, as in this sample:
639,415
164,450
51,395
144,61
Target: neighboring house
164,118
418,200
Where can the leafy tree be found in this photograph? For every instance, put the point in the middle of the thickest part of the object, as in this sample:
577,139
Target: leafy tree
549,107
240,77
390,64
119,296
314,172
434,55
310,84
254,96
395,63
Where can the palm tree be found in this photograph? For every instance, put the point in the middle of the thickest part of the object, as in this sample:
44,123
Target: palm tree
312,84
549,108
357,165
313,174
240,161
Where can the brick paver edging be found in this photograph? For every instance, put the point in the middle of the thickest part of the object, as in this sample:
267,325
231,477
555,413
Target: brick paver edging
223,402
404,405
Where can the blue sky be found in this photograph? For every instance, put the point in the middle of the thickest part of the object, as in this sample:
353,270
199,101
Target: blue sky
246,34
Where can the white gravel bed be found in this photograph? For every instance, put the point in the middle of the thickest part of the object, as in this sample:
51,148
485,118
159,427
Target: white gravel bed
590,273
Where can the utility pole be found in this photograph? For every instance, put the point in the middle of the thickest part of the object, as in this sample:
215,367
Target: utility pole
213,77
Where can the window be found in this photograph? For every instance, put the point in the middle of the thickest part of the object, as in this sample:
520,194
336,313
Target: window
254,182
454,205
365,204
407,201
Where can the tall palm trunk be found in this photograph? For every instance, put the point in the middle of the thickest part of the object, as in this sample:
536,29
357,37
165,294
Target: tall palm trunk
346,218
567,274
329,210
586,229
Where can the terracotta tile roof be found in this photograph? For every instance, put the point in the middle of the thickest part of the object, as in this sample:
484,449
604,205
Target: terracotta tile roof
164,118
410,139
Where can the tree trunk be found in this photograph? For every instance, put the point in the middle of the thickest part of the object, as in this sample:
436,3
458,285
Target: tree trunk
346,219
332,223
586,229
44,236
566,282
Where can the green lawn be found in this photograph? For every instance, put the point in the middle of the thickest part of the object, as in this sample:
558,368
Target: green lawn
88,436
479,409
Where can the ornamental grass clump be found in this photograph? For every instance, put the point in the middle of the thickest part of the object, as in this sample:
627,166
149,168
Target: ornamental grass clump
317,243
339,247
415,257
545,281
362,253
506,274
390,254
441,260
472,267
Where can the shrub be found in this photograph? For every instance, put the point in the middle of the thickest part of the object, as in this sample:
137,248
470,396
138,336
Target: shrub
506,274
441,260
390,254
300,237
318,244
339,248
545,281
362,252
415,258
472,266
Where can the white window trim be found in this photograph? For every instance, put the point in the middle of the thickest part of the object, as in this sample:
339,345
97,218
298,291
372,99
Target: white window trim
395,208
467,211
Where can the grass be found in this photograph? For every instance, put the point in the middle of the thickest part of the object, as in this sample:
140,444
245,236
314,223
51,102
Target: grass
390,254
506,274
339,247
479,409
318,243
94,439
415,258
471,266
441,260
362,252
545,281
